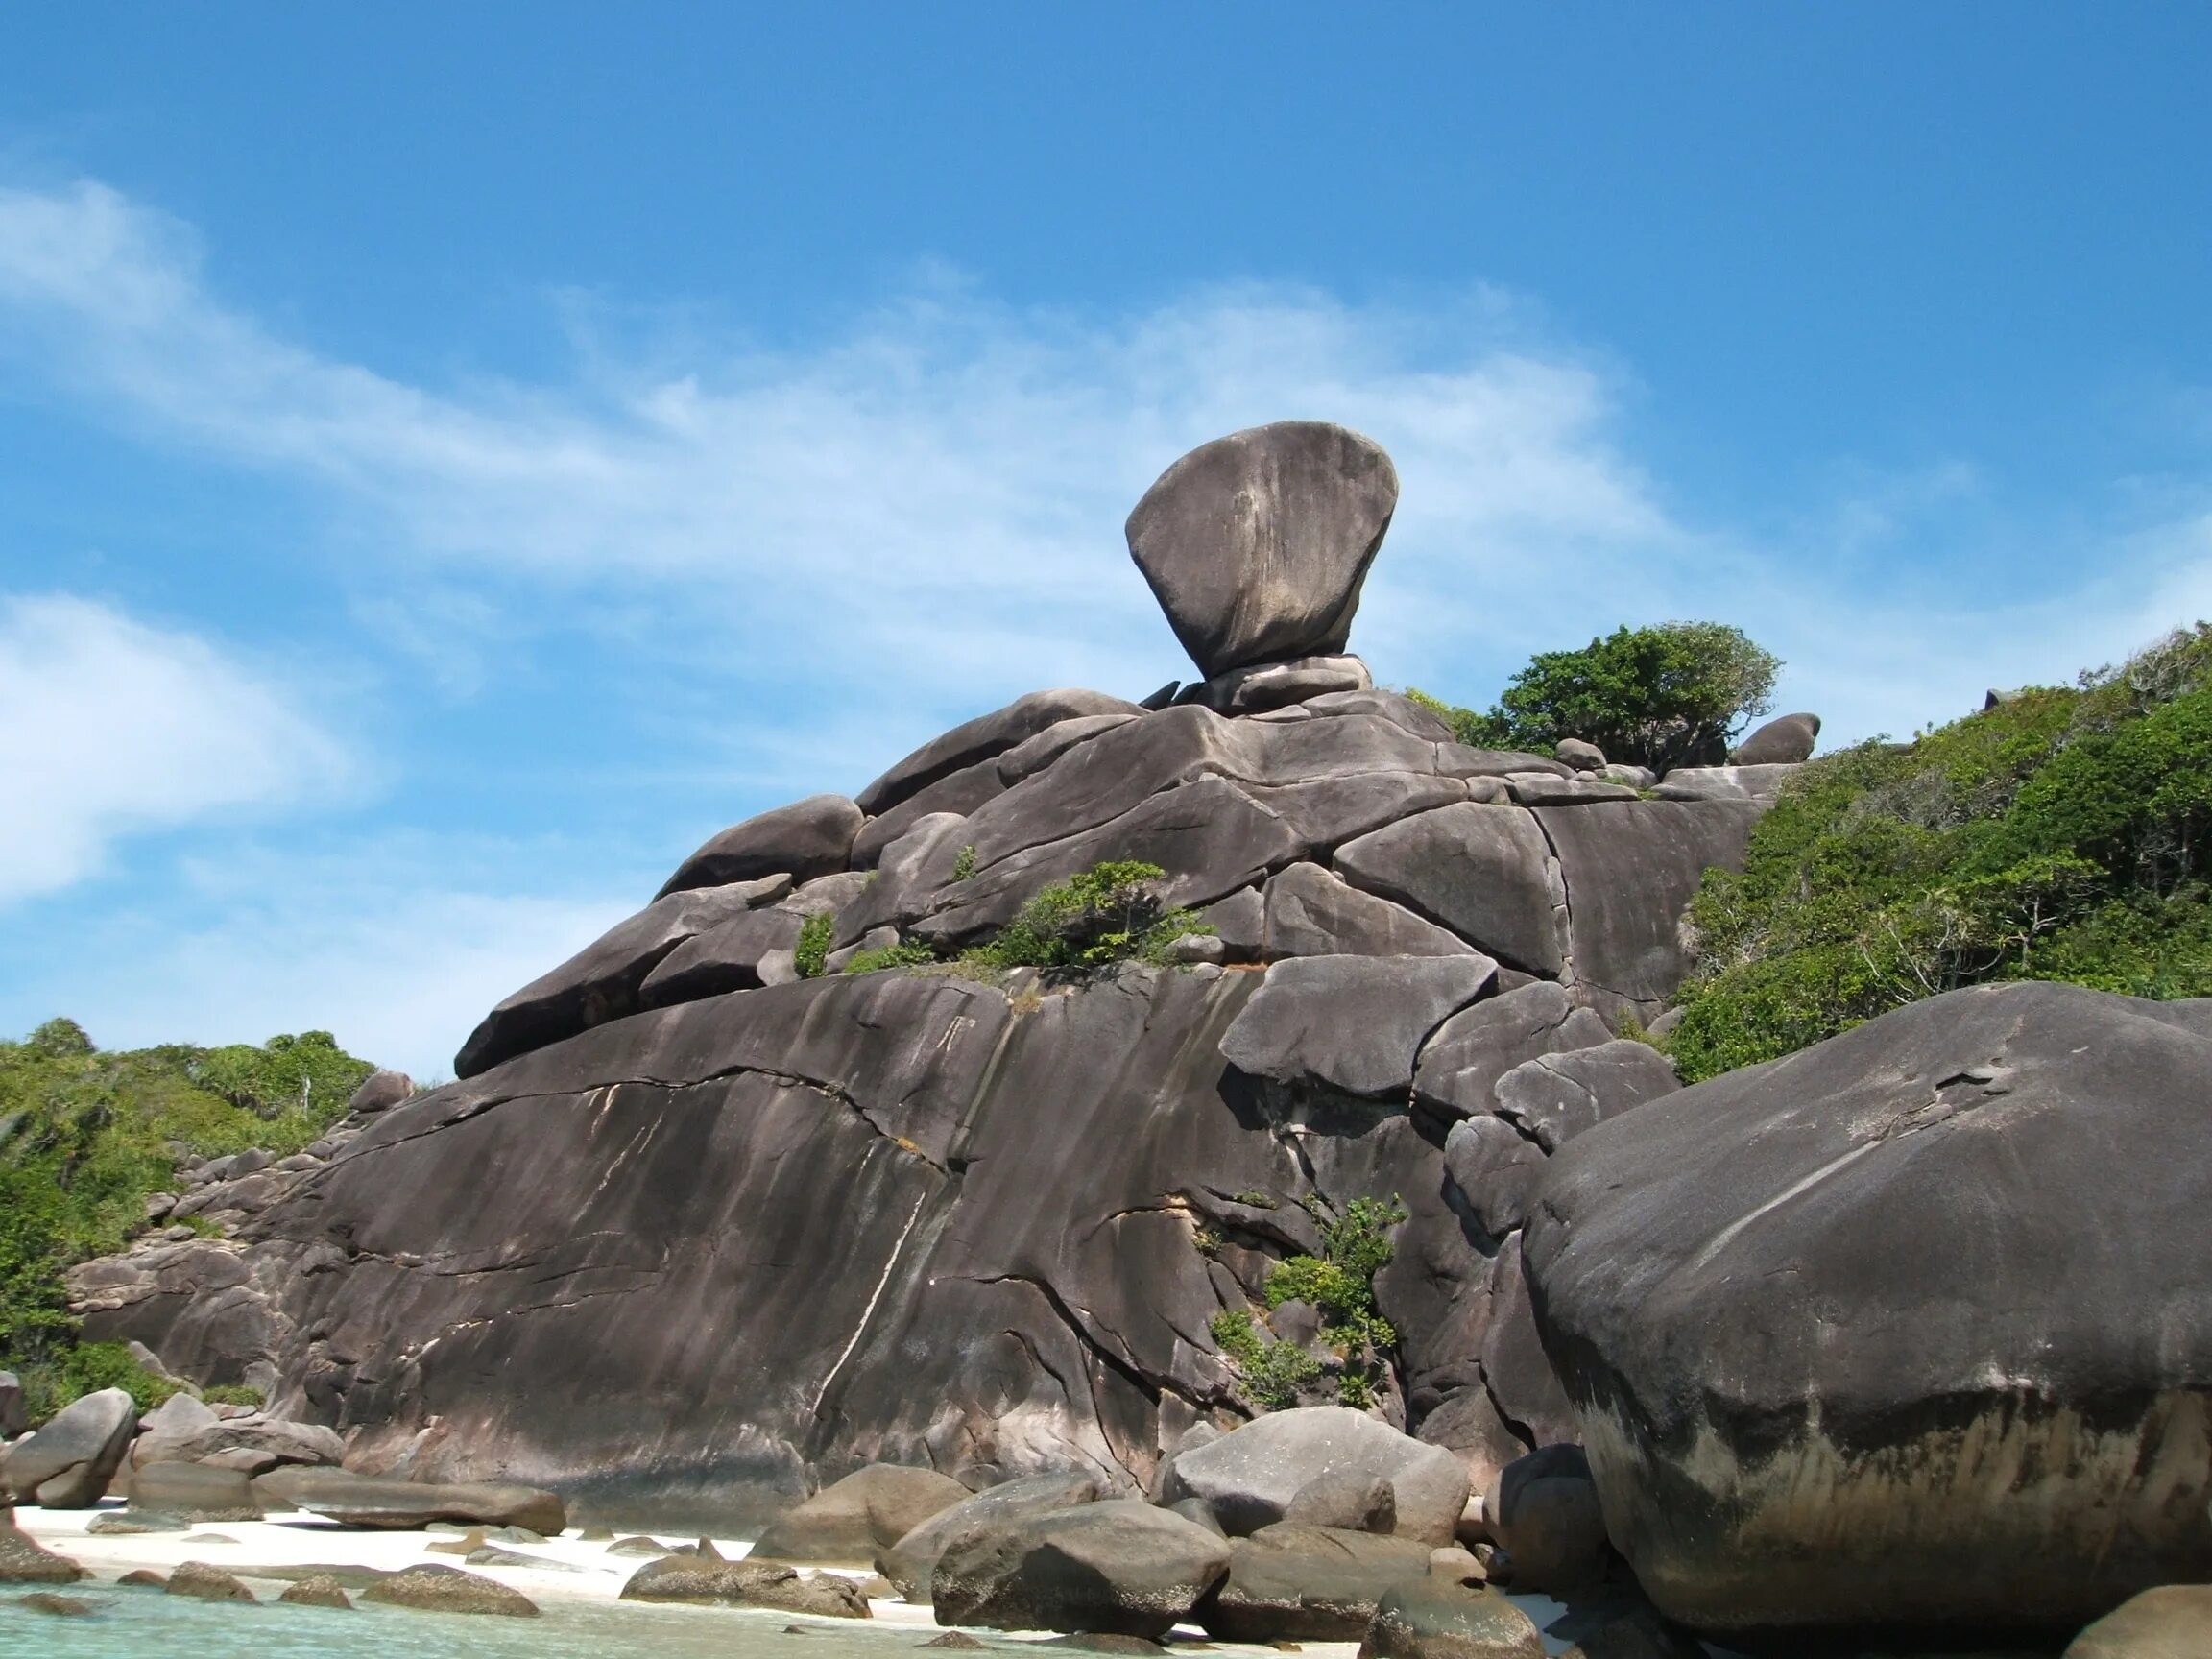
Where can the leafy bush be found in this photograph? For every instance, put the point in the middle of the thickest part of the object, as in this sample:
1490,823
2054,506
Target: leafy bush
1340,1284
1109,913
906,954
2065,833
1273,1373
963,863
1665,696
810,955
86,1134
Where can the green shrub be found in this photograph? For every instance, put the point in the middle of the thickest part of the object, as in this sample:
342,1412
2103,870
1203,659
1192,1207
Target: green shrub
1340,1284
232,1394
964,864
1273,1373
906,954
1665,696
2065,833
1109,913
811,954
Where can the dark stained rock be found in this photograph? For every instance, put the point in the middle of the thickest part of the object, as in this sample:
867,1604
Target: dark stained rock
1544,1509
195,1491
69,1462
1118,1566
1627,1627
1241,923
747,1583
1251,1475
959,792
912,1560
1348,1500
1308,1583
1516,1372
1256,544
726,957
1199,1513
1351,1022
1033,754
1461,1064
983,739
871,1510
204,1582
381,1090
1267,685
1555,1097
54,1607
2171,1621
1495,1168
13,1418
1486,872
1469,1425
433,1589
1999,1194
1436,1620
601,981
806,839
24,1560
367,1501
910,868
1309,912
319,1591
1631,869
1784,740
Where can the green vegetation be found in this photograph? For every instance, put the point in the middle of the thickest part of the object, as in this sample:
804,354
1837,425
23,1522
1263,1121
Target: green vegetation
1109,913
910,954
810,955
964,864
1340,1284
87,1136
1665,696
2065,833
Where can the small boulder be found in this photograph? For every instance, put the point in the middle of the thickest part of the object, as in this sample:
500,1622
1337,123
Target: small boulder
1256,544
1434,1620
1494,1168
379,1092
1347,1499
1251,1475
195,1492
24,1560
68,1463
54,1607
1783,741
134,1522
1270,685
143,1578
205,1583
1582,756
871,1510
910,1563
746,1584
1555,1097
1118,1565
432,1589
806,839
319,1591
2171,1621
1298,1583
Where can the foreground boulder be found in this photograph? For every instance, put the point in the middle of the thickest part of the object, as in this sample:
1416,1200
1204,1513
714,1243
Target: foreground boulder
2173,1622
1437,1619
1120,1567
1296,1583
1252,1476
432,1589
869,1510
911,1563
68,1463
746,1584
24,1560
367,1501
204,1582
1999,1195
1256,544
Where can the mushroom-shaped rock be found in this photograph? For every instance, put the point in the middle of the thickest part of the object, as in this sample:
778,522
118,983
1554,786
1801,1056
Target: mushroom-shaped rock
1351,1022
1781,742
1251,1476
807,838
844,1524
1255,543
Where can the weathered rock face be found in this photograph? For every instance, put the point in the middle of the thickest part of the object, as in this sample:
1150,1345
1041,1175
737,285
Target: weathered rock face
1952,1370
68,1463
1255,543
1118,1566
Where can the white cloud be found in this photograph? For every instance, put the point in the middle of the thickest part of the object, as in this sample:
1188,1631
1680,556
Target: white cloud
108,726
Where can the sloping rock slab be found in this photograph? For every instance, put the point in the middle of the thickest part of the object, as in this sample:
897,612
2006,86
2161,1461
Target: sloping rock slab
2000,1194
1297,1583
1251,1475
806,839
367,1501
1483,870
1351,1022
870,1509
746,1584
1312,913
982,739
1120,1567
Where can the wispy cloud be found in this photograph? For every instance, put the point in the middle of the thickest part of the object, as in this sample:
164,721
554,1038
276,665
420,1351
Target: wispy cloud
108,728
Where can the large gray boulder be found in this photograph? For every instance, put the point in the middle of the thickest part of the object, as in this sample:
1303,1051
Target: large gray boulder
1293,1583
1351,1022
183,1430
1555,1097
379,1092
1485,872
983,739
1118,1566
68,1463
1250,1477
1309,912
602,982
1494,1168
871,1510
807,838
1783,741
912,1561
1998,1196
1460,1066
1256,544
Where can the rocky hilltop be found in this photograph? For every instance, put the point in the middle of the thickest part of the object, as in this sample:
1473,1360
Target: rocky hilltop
724,1208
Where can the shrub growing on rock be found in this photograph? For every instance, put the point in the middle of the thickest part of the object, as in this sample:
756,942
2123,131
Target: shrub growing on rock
1109,913
810,955
1340,1284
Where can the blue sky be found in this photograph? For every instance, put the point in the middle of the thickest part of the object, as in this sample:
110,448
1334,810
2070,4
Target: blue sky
453,459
